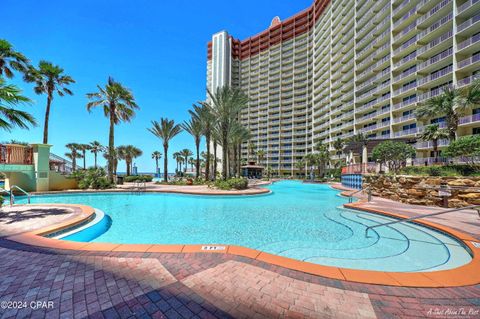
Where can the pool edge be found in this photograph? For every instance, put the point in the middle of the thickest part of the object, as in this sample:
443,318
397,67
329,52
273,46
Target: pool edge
465,275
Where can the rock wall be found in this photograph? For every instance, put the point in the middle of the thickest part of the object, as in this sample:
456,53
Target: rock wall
423,190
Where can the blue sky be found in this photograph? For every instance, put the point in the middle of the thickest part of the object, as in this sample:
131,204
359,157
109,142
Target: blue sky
155,48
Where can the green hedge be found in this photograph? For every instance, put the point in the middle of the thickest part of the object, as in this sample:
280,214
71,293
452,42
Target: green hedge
232,183
138,178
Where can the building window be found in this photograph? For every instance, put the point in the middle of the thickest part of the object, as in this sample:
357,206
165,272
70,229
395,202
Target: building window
476,130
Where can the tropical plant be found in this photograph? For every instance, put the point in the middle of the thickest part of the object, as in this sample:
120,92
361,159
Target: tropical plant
268,171
74,154
260,156
300,165
49,79
310,160
207,119
178,159
119,106
128,153
165,130
11,60
10,116
193,162
95,147
195,128
94,178
434,133
250,149
467,147
112,159
394,154
238,135
452,103
322,158
226,105
185,153
156,155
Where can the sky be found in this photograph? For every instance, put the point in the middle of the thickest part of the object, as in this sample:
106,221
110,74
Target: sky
155,48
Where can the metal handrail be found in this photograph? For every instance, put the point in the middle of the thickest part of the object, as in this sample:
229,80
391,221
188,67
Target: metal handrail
476,207
12,197
350,196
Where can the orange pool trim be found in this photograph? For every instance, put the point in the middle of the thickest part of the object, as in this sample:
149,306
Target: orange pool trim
465,275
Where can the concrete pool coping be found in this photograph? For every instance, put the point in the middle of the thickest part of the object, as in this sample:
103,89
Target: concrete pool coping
465,275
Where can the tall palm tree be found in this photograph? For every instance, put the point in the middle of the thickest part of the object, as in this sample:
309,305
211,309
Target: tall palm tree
452,103
251,149
165,130
11,60
10,116
339,146
195,128
260,156
118,105
192,162
206,117
156,155
322,157
74,154
115,157
176,156
95,148
185,153
83,148
238,135
434,133
49,79
310,161
300,165
227,103
128,153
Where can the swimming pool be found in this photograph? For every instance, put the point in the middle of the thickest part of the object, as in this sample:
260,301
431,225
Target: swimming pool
301,221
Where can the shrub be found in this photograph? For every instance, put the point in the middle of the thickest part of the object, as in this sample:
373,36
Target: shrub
138,178
232,183
393,154
447,170
92,178
465,146
434,171
2,200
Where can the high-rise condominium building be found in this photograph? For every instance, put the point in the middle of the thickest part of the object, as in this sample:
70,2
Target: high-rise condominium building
343,67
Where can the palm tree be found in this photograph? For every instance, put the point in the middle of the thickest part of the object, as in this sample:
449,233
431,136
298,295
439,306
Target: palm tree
185,153
300,165
115,157
128,153
452,103
95,148
73,155
204,114
195,128
322,157
84,148
192,162
49,79
310,160
156,155
176,156
165,130
227,103
11,60
10,117
118,105
238,135
338,145
433,133
260,156
251,150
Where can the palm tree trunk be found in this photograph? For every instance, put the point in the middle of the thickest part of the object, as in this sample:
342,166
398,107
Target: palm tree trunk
127,163
207,164
47,118
156,165
95,157
111,143
197,164
435,150
74,161
225,157
239,163
165,163
214,159
84,162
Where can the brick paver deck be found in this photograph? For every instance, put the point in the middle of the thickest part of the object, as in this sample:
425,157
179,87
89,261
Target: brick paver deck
89,284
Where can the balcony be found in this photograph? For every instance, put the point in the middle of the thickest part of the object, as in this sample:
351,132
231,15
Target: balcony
468,80
13,154
469,61
469,119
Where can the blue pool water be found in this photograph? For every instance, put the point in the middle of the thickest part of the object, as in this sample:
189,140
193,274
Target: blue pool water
301,221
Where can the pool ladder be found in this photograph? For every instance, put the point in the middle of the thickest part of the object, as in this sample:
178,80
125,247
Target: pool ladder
476,207
12,196
369,193
139,187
